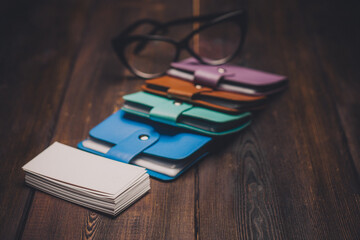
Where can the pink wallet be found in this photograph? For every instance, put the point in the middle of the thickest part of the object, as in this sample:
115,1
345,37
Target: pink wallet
229,77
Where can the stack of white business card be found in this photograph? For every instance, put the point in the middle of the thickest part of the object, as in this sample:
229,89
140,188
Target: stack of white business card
86,179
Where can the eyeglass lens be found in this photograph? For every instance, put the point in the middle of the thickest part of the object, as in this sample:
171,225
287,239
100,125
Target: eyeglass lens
217,42
153,57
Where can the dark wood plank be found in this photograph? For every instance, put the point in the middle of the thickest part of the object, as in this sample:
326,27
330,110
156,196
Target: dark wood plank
290,175
35,62
319,179
336,41
95,90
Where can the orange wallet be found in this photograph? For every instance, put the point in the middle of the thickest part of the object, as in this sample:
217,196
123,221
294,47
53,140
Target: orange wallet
204,96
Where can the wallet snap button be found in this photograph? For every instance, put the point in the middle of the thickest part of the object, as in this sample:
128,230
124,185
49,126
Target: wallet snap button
221,70
198,86
176,103
143,137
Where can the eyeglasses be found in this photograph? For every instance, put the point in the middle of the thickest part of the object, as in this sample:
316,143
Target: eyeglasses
216,41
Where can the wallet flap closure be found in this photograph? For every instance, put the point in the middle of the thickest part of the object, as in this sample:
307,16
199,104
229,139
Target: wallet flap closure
186,93
174,88
210,77
129,147
168,111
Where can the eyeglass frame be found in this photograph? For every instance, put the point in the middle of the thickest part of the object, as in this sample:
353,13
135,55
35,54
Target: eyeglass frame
120,42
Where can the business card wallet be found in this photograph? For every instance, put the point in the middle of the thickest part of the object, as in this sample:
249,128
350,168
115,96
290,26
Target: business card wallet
184,115
165,151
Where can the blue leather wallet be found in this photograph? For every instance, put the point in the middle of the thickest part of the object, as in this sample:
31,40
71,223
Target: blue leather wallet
165,151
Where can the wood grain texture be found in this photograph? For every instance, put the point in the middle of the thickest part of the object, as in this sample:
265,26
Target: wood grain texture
293,174
297,183
36,60
336,45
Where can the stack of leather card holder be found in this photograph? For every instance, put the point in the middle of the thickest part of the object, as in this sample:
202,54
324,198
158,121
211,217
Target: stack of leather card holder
168,126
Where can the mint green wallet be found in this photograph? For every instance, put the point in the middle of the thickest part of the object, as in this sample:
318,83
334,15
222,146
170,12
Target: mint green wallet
184,115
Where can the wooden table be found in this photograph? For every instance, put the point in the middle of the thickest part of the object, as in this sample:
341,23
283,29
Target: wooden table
293,174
